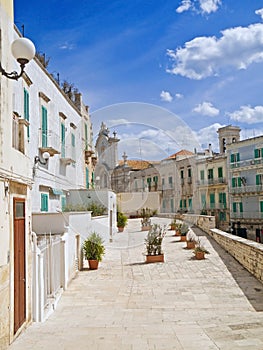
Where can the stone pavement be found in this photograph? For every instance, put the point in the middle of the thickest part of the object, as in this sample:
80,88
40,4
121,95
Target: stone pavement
180,304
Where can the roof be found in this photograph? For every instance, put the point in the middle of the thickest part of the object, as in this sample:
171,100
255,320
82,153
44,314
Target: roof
137,164
182,153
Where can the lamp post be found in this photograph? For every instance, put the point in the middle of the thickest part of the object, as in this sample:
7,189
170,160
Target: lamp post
23,51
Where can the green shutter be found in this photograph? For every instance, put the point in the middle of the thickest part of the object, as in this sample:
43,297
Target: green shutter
202,174
203,200
261,206
87,178
233,182
241,207
232,158
212,198
256,153
239,182
44,127
234,207
26,108
44,202
149,180
258,177
63,203
190,203
181,203
237,157
220,172
63,139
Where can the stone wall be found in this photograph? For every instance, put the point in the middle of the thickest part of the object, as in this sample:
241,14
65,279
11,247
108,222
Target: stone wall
246,252
4,306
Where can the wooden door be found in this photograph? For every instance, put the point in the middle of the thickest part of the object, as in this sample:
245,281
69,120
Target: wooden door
19,264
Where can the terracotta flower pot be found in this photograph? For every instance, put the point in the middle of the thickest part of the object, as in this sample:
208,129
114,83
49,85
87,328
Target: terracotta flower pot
200,255
120,229
190,244
154,258
146,228
93,264
183,238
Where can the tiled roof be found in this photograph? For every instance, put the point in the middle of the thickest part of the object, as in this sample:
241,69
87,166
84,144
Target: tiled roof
137,164
181,153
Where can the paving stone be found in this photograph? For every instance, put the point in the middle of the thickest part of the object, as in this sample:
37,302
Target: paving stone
179,304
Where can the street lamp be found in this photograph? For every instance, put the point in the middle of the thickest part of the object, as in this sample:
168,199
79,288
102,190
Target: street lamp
45,156
23,51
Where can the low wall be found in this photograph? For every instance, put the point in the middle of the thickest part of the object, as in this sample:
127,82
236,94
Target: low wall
204,222
248,253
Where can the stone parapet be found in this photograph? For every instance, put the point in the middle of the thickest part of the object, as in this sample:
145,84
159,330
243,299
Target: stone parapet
248,253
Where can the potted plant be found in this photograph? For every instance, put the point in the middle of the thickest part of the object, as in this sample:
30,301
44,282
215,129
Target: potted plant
184,229
200,251
122,221
190,239
146,221
153,243
93,250
173,224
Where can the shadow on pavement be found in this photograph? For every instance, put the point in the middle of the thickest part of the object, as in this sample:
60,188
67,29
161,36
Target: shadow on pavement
250,286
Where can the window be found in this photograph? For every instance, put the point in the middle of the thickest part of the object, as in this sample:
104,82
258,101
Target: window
261,206
212,200
222,200
149,180
234,157
15,131
238,207
210,174
189,172
258,153
87,178
155,179
44,127
236,182
44,202
190,202
73,144
259,179
220,172
183,204
172,205
26,109
63,140
202,174
170,180
222,216
63,203
182,174
203,200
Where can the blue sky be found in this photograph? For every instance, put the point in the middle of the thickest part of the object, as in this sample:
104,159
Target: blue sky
176,70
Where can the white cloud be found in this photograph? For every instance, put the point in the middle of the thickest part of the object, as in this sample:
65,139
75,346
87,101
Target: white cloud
205,6
185,6
208,6
202,57
248,115
209,135
260,13
178,96
206,108
166,96
66,46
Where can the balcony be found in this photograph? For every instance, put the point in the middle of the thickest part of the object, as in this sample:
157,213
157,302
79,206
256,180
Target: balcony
246,189
247,215
68,154
49,142
217,181
246,163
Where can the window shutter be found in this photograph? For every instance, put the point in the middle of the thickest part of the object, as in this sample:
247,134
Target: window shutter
232,158
261,206
202,174
44,202
233,182
234,207
241,207
87,178
258,179
256,153
239,182
220,172
44,127
238,157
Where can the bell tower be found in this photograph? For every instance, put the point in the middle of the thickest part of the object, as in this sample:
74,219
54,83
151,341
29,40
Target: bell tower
227,135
